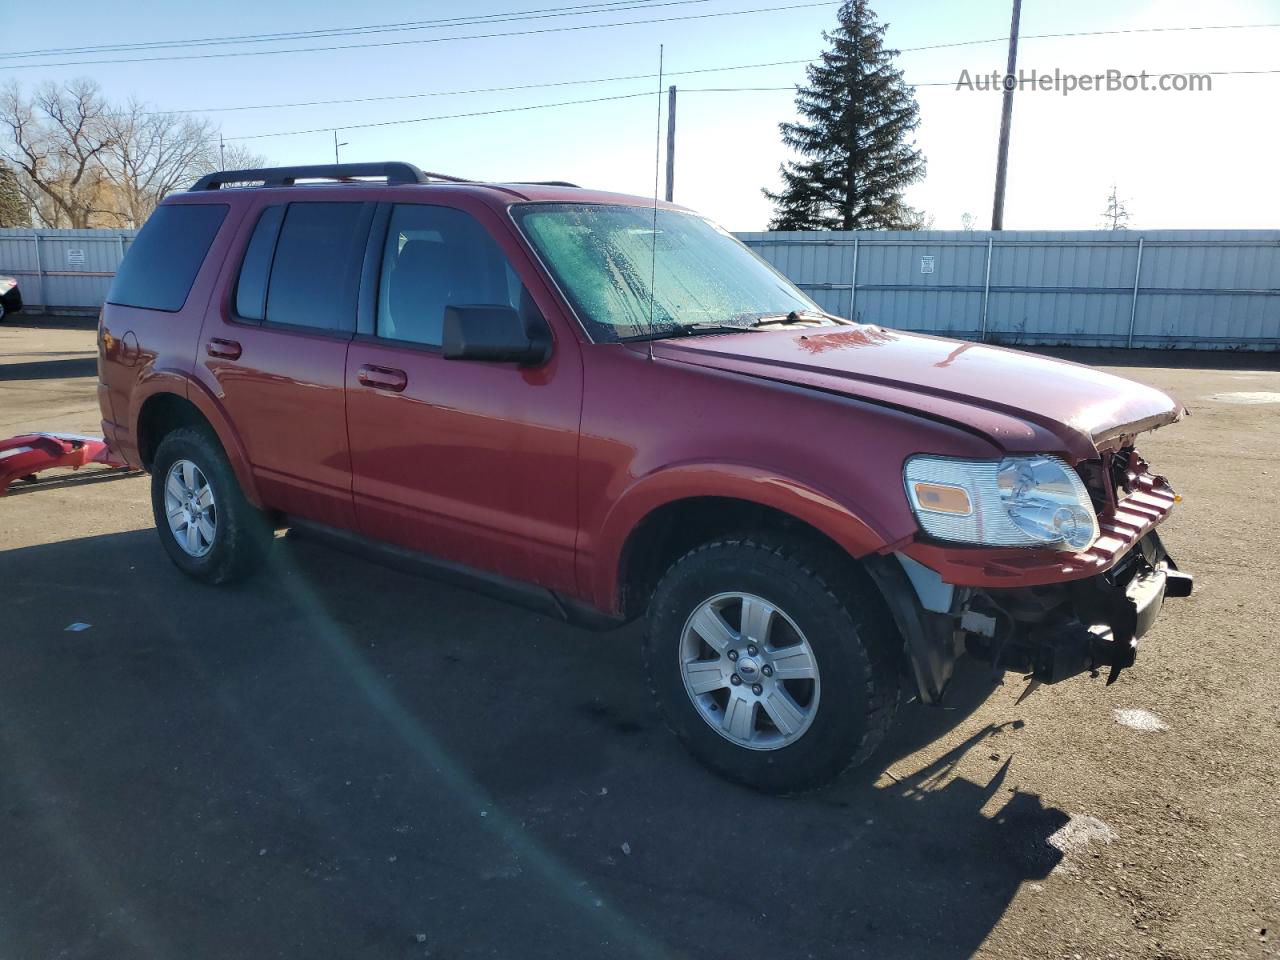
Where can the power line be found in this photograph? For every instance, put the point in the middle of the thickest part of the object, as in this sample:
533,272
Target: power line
634,4
449,116
604,6
402,43
473,90
496,110
590,80
623,96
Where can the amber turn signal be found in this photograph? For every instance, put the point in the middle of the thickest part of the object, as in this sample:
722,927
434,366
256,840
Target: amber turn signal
942,498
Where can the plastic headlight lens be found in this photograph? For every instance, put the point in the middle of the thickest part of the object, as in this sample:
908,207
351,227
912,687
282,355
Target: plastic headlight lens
1018,501
7,284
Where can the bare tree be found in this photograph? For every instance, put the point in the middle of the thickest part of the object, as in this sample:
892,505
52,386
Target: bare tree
81,162
1116,216
56,141
966,222
236,156
149,155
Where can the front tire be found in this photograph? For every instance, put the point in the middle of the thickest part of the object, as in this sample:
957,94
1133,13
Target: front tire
208,528
775,663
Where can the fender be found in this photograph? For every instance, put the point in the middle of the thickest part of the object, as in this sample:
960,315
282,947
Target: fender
602,557
171,381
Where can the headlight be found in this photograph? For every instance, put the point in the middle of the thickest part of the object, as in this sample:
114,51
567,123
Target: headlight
1015,502
7,284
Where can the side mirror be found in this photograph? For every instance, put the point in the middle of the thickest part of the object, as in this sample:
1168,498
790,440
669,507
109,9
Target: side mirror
494,333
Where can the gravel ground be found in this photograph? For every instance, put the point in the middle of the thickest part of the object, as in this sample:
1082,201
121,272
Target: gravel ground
339,760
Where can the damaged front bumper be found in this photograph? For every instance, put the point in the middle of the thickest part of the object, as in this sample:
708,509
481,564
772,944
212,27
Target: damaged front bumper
1049,632
1054,632
1048,614
24,456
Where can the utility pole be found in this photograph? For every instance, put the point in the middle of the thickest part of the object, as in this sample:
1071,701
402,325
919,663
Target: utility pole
222,153
336,145
671,142
1006,120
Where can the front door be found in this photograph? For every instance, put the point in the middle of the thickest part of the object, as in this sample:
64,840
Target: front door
474,463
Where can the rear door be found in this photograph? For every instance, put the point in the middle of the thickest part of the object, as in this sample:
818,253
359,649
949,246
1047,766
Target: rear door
474,463
275,350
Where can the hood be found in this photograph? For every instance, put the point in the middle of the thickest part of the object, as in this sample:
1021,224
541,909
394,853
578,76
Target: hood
1021,401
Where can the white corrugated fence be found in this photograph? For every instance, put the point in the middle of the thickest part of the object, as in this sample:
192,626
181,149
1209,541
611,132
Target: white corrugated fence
1200,289
1203,289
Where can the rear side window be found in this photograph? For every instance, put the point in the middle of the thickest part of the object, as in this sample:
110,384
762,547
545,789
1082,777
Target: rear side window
251,289
315,274
162,263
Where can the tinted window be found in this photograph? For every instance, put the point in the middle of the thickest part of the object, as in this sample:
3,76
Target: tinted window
316,270
162,263
251,289
434,257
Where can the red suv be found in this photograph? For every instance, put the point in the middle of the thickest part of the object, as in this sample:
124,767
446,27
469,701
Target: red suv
612,408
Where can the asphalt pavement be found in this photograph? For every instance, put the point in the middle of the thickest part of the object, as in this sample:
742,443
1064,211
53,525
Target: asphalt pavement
341,760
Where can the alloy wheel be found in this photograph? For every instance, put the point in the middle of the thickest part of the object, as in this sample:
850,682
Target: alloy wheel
190,507
749,671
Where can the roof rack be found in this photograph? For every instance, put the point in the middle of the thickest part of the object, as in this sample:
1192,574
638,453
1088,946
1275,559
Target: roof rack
547,183
394,172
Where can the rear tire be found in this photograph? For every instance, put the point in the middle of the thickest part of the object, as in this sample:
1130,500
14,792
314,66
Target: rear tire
821,687
208,528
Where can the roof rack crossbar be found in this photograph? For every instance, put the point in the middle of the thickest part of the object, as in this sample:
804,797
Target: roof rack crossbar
394,172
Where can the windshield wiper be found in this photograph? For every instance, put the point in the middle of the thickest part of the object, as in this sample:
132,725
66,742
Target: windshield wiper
687,330
795,316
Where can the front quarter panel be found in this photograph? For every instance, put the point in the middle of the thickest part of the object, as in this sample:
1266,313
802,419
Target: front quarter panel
657,431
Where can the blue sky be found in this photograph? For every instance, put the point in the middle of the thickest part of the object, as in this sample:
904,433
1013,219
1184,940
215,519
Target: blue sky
1179,159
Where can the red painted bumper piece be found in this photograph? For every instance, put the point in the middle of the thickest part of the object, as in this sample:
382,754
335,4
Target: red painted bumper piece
31,453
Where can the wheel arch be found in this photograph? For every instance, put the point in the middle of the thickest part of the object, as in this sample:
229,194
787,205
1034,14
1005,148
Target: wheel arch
166,409
665,515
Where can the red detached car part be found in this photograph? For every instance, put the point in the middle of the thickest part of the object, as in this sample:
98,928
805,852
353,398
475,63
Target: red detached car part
31,453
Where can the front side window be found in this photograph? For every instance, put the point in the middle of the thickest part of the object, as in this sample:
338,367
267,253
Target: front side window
315,273
162,262
436,257
603,257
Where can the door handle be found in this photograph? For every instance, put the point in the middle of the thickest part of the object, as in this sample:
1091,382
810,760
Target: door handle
382,378
227,349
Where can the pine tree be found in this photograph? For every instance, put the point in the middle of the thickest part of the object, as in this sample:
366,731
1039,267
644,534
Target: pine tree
854,138
1116,216
14,211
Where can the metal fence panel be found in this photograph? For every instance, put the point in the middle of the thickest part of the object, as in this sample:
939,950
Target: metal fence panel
63,269
1160,288
1167,288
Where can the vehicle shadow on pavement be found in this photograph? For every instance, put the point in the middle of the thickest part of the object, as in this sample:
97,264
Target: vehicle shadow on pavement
65,478
340,760
46,321
49,369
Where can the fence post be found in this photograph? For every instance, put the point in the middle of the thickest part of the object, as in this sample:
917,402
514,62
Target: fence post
120,247
853,282
986,294
1133,305
35,237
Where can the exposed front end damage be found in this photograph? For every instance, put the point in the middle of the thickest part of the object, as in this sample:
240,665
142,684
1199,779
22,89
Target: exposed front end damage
1056,631
1048,616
